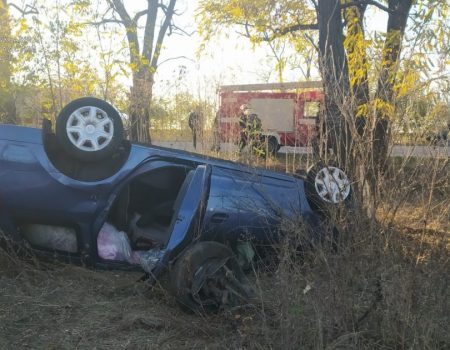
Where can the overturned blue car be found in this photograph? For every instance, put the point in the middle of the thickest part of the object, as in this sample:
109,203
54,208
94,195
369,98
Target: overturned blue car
84,194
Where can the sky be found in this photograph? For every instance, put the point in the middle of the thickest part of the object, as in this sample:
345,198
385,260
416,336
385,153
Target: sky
230,60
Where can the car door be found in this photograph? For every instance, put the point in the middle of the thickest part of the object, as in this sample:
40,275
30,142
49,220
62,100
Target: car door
189,210
248,204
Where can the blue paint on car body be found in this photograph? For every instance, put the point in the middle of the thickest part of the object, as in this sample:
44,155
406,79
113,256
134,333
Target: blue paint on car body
224,201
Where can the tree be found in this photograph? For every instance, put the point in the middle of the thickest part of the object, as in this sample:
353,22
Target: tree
7,102
342,58
58,66
334,71
11,45
143,61
48,64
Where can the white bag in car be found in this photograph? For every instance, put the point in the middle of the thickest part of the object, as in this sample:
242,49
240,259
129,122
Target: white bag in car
114,245
51,237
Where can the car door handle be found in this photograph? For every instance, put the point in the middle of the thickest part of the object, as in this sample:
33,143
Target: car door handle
219,218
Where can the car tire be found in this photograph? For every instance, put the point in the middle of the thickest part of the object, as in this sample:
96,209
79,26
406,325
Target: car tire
327,184
89,129
201,276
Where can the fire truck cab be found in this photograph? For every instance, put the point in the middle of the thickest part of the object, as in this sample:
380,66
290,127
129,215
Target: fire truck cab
288,111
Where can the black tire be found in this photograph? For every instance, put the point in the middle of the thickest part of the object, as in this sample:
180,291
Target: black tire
272,146
314,198
103,112
184,278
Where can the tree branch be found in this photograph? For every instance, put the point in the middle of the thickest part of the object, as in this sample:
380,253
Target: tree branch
295,28
149,32
176,58
162,32
246,29
366,2
174,27
139,15
164,8
130,27
278,32
105,17
105,21
28,10
311,40
119,7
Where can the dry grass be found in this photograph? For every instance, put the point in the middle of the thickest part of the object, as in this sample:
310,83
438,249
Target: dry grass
385,288
67,307
173,135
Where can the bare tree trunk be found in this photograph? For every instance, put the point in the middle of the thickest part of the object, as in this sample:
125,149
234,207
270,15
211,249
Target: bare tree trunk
144,63
385,90
334,70
141,96
377,128
360,99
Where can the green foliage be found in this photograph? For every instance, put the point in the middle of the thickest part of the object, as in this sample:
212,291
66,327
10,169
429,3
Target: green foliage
264,22
259,16
426,44
52,60
172,113
6,44
420,113
7,112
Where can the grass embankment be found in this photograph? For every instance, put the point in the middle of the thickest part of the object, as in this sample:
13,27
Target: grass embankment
386,287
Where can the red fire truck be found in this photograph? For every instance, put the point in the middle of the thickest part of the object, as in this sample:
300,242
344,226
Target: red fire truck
288,111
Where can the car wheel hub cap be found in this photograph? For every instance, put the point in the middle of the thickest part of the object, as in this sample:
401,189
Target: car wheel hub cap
332,185
90,129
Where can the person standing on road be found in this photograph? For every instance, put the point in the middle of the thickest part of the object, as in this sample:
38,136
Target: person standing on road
195,122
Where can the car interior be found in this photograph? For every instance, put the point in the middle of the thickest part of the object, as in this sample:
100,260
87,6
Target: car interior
146,208
145,211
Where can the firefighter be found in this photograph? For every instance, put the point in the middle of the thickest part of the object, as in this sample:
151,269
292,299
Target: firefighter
195,122
250,129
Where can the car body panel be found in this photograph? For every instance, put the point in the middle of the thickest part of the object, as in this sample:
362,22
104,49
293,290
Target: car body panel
187,225
233,201
247,199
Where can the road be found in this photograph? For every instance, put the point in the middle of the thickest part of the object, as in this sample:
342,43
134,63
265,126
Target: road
396,151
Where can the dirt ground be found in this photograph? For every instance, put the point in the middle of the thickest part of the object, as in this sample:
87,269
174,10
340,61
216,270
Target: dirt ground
67,307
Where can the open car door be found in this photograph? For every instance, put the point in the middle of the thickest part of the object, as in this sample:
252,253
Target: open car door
189,210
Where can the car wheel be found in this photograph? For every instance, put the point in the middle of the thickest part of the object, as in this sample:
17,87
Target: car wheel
207,277
327,184
89,129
